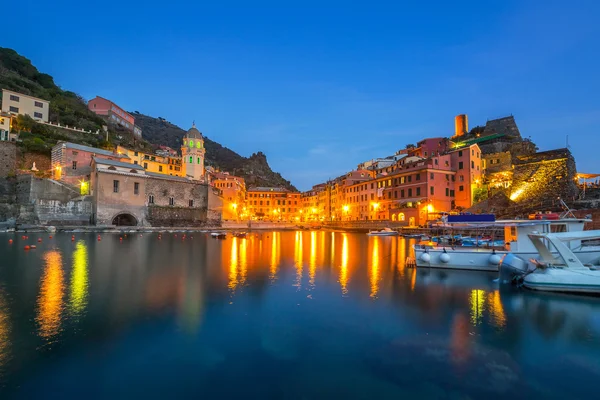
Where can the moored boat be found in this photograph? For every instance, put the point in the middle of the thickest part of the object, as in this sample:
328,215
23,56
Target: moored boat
383,232
218,235
557,268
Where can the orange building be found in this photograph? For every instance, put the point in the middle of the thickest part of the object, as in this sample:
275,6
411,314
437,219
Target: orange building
273,204
233,189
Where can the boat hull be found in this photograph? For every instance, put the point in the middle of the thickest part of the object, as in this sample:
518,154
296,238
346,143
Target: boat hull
564,280
383,234
481,259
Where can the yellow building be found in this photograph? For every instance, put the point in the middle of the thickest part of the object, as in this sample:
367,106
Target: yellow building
153,162
273,204
233,190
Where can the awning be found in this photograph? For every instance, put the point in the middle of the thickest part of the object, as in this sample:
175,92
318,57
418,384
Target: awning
587,176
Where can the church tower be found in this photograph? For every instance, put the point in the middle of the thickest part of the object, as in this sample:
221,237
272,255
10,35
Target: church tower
192,153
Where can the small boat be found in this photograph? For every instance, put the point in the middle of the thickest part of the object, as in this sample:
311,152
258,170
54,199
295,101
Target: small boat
218,235
383,232
413,236
240,235
557,269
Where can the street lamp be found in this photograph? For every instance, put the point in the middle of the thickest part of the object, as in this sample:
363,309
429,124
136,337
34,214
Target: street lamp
346,207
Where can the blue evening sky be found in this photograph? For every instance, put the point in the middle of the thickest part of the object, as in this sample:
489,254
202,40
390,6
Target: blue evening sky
321,86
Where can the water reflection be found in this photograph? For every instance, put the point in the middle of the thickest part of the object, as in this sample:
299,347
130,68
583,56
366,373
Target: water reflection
50,299
476,301
374,272
238,263
298,259
275,256
344,265
4,331
312,261
79,280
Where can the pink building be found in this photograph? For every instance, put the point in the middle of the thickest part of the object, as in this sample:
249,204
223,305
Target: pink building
468,166
71,163
430,147
113,113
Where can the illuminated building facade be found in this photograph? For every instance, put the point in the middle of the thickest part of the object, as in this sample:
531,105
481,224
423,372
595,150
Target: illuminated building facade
273,204
192,154
233,191
154,163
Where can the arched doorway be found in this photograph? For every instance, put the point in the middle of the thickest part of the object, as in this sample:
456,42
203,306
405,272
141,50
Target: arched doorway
394,217
124,220
401,217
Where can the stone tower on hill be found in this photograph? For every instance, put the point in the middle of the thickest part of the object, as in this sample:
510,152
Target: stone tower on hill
193,154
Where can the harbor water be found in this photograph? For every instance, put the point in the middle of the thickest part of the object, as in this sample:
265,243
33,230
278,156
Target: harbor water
294,315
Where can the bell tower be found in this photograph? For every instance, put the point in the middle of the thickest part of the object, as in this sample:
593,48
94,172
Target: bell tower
192,153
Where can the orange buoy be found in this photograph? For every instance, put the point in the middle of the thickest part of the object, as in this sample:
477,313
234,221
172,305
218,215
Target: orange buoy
27,247
50,237
10,241
40,240
23,237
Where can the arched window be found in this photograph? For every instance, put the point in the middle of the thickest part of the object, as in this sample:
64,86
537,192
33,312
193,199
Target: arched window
191,160
151,199
393,217
198,160
401,217
112,168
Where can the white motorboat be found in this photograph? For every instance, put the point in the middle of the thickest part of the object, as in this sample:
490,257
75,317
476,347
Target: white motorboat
218,235
383,232
557,268
486,257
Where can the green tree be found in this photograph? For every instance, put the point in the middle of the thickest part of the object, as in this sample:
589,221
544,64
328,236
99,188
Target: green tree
24,123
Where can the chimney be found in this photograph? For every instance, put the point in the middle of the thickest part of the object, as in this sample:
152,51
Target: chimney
461,124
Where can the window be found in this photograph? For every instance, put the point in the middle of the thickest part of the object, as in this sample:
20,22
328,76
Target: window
409,192
460,165
191,203
371,185
268,202
461,188
135,154
461,178
136,188
431,176
460,153
160,168
171,167
198,160
409,178
116,186
38,104
13,109
14,98
171,201
425,154
472,164
191,160
418,177
431,190
74,164
145,165
38,115
372,196
435,161
418,191
452,193
260,202
402,193
472,152
395,194
447,192
135,162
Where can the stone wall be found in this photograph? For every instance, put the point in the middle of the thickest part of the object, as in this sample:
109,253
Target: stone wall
42,163
176,216
8,158
9,209
545,175
30,189
55,212
215,207
497,162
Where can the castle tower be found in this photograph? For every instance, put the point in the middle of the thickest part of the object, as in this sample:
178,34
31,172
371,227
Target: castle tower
192,153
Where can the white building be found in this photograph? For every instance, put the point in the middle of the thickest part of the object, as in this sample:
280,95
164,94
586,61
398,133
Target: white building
17,103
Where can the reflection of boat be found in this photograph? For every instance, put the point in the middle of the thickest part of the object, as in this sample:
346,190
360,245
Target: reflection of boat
478,255
557,268
218,235
383,232
240,235
456,279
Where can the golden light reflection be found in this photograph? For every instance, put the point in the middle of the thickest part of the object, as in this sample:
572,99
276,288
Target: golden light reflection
374,275
413,279
332,251
4,331
275,256
477,302
79,279
243,260
312,265
344,266
496,309
298,259
50,299
233,262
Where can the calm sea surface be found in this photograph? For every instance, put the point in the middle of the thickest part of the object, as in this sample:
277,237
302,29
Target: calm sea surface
295,315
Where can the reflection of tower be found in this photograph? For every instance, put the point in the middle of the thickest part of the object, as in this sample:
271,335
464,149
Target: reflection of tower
192,153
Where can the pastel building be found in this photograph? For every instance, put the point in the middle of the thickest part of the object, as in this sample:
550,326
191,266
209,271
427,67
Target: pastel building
467,162
72,163
5,124
17,103
273,204
154,162
233,191
114,114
